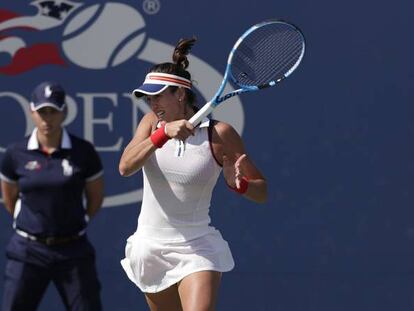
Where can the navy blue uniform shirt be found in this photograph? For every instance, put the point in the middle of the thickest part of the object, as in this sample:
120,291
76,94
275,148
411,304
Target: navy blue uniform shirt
51,186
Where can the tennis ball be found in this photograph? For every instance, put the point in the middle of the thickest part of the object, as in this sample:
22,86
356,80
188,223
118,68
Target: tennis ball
102,36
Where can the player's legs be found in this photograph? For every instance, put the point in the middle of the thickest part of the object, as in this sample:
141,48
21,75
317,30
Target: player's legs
24,286
77,283
198,291
166,300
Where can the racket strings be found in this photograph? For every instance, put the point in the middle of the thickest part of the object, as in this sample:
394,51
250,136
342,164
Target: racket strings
267,54
273,52
288,55
274,56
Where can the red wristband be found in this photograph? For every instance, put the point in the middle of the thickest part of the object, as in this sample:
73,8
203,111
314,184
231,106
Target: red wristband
244,184
159,138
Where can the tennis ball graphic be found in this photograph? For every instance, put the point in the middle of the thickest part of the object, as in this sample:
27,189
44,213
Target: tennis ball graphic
103,36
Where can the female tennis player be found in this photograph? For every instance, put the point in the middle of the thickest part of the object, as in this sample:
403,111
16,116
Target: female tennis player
175,257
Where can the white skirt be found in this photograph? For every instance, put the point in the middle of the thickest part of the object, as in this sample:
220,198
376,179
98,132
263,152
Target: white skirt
154,265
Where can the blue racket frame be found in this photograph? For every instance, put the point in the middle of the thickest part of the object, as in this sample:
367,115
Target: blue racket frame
218,99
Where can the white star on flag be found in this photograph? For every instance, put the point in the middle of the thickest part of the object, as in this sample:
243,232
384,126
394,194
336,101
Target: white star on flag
41,20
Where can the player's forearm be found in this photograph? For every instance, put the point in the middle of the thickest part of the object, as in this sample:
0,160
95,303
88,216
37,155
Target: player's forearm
134,157
257,191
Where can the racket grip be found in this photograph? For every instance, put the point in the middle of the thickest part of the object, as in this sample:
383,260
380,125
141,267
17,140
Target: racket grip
202,113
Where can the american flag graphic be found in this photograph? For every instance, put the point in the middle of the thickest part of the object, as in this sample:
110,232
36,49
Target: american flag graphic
16,29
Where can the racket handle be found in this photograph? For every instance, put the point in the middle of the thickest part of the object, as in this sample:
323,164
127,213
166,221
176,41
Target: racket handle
202,113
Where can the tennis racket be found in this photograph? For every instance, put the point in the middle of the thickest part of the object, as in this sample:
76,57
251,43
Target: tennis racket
263,56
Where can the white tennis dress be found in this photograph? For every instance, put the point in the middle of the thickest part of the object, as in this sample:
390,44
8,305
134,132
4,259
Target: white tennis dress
174,238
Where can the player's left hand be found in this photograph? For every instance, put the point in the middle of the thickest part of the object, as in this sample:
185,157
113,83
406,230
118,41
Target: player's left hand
233,169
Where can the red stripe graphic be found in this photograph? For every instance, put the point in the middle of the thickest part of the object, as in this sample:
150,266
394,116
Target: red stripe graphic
5,15
162,78
28,58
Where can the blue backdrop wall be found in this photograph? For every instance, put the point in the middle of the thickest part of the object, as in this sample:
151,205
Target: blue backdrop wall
335,140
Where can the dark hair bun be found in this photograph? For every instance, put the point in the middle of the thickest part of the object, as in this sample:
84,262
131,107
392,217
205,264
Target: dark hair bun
181,51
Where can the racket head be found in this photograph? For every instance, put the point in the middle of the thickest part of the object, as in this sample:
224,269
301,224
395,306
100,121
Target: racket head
266,54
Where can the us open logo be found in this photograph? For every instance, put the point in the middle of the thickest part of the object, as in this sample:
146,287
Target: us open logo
101,52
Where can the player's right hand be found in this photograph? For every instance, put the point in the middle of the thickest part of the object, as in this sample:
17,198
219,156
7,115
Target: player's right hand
180,129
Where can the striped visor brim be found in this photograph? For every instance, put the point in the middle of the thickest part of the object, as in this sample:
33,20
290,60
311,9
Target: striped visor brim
156,82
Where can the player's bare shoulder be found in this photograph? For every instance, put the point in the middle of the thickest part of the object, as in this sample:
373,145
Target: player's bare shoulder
150,118
148,123
224,132
146,126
